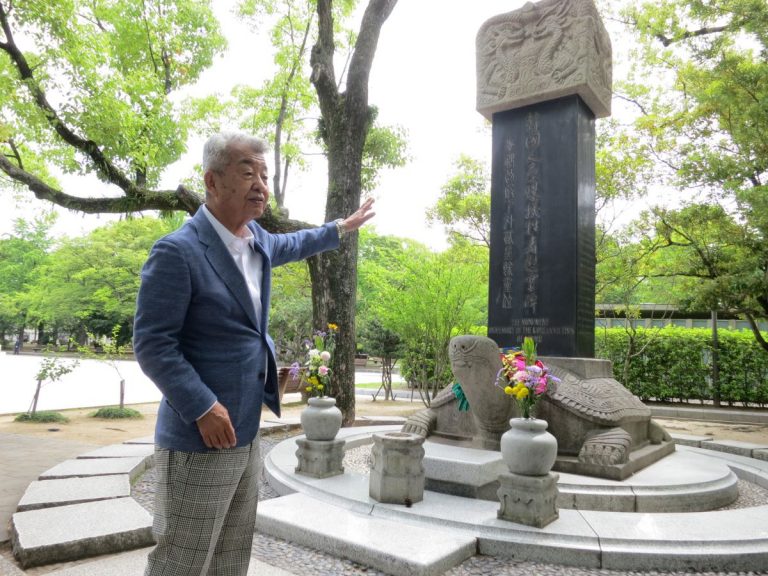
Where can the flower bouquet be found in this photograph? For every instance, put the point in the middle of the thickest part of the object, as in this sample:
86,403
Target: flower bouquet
316,372
524,377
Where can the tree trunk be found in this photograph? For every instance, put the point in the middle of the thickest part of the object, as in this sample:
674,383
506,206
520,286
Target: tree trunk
122,393
346,121
37,395
715,361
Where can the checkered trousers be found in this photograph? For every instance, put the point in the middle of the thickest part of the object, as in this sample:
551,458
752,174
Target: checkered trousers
205,511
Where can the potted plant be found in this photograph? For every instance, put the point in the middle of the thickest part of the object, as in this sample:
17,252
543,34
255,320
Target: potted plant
321,419
527,448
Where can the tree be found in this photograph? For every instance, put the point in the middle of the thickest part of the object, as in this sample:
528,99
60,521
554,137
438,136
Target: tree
51,369
464,206
116,121
90,283
109,351
425,299
707,124
22,254
90,95
347,119
384,343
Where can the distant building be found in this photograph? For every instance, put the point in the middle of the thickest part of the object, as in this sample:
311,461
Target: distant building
659,315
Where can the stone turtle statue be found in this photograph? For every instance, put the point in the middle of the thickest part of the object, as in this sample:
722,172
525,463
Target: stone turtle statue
601,428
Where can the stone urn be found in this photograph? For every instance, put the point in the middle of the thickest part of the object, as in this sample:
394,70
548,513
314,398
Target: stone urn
527,448
321,419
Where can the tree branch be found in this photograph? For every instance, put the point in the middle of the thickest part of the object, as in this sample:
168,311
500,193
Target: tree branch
179,199
666,41
365,48
88,147
756,331
323,74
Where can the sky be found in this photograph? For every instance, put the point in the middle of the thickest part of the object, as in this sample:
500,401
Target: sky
423,79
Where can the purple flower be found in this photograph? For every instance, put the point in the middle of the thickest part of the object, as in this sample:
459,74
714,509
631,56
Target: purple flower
294,371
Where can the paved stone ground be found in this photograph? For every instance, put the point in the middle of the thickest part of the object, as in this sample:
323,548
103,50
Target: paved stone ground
304,561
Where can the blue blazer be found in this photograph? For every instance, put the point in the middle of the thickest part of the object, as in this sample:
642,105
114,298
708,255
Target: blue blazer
196,334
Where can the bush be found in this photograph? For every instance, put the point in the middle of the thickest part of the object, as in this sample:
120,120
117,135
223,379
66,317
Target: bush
677,364
115,412
42,417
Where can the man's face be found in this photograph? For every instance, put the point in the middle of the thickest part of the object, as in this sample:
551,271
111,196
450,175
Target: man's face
239,193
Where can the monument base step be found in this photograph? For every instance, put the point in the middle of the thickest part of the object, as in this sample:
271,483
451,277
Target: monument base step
77,531
393,547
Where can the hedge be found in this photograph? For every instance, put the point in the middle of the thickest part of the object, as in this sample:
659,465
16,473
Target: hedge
676,364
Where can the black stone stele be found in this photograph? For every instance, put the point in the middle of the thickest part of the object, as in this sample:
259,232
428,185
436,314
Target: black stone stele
542,258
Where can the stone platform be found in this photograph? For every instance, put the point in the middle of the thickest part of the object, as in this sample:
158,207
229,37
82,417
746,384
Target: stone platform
681,482
724,540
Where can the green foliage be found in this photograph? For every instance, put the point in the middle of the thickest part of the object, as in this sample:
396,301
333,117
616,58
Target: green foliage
115,412
464,206
290,318
89,284
700,83
385,147
22,254
52,368
42,417
676,364
107,67
424,298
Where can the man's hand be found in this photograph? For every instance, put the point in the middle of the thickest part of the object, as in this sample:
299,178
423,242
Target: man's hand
216,428
359,217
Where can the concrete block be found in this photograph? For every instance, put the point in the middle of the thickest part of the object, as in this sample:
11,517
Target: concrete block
393,547
397,472
121,451
735,447
529,500
64,491
133,466
77,531
690,439
467,472
320,458
760,454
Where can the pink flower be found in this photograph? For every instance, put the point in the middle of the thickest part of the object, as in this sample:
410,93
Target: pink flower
323,370
541,387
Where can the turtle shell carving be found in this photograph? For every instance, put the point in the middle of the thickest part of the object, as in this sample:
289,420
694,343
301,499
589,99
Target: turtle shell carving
603,401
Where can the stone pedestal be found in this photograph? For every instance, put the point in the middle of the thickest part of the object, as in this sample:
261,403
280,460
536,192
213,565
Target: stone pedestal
529,500
320,458
397,470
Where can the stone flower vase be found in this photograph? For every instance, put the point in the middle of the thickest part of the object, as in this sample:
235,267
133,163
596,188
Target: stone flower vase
527,448
321,419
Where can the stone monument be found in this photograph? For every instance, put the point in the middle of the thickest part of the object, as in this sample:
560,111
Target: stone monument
543,76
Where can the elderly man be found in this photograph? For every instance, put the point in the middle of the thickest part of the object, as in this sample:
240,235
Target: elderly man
201,335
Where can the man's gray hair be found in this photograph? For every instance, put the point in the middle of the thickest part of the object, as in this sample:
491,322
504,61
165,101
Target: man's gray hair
216,153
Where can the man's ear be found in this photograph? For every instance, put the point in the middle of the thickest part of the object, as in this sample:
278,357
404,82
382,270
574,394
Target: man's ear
210,182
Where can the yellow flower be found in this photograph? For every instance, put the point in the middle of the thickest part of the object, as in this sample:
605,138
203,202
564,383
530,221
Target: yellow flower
522,393
509,390
308,388
333,327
